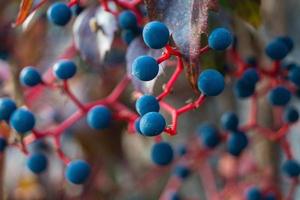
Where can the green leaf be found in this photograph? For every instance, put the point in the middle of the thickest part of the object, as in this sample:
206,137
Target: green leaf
247,10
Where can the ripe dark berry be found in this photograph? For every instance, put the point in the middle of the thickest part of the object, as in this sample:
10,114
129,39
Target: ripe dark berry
145,68
156,35
251,75
279,96
276,50
147,103
22,120
182,150
59,14
77,171
64,69
236,143
254,193
162,153
291,168
220,39
211,82
291,115
209,135
127,20
152,124
243,88
7,107
37,163
182,171
3,144
30,77
287,41
128,36
294,76
99,117
137,125
230,121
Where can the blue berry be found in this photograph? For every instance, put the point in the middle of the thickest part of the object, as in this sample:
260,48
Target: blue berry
236,143
37,163
30,77
99,117
145,68
147,103
137,125
209,135
291,168
182,171
3,144
287,41
276,50
251,75
156,35
127,20
77,171
254,193
279,96
291,115
244,88
22,120
220,39
40,145
128,36
182,150
152,124
294,76
7,107
162,153
211,82
230,121
59,14
64,69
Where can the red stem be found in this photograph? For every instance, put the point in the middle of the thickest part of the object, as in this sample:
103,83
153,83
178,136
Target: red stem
73,97
173,79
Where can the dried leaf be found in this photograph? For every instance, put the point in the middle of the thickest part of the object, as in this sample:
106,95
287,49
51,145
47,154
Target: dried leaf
138,48
24,11
187,20
248,10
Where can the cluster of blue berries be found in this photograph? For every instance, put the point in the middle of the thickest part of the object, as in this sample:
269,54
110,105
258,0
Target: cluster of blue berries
62,70
237,140
129,25
211,137
155,36
245,86
151,122
23,121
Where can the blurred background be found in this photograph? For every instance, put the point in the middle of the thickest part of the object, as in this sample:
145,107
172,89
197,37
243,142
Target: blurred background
121,164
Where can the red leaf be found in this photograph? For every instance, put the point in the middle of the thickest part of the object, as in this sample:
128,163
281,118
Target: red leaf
24,11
